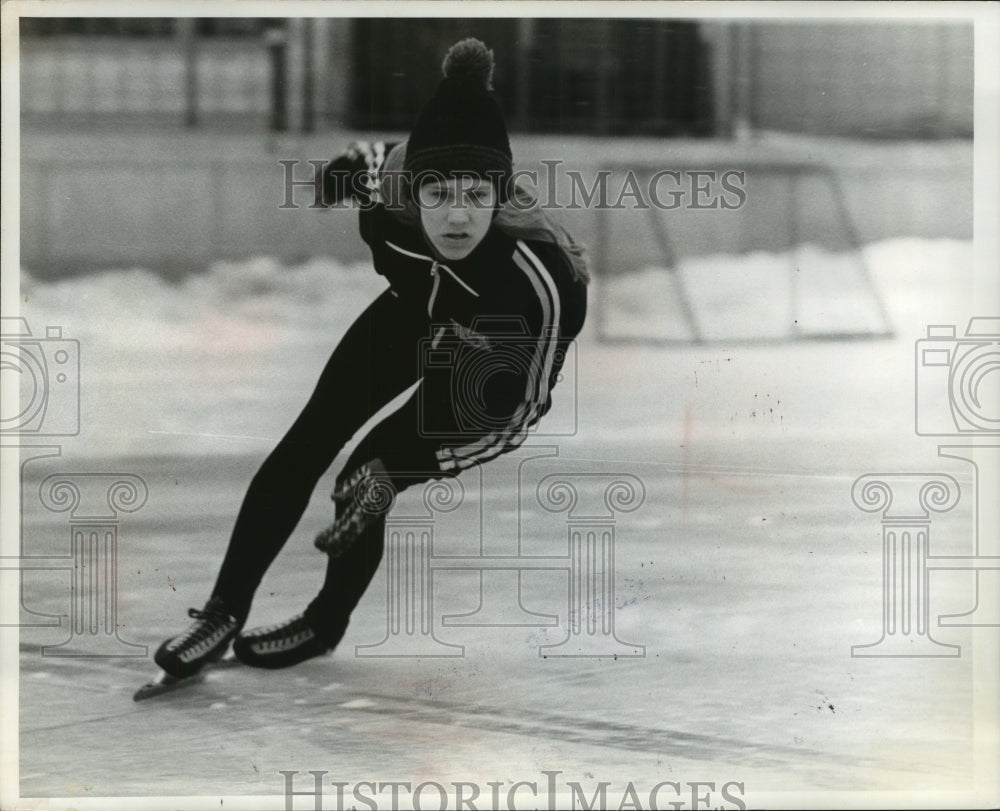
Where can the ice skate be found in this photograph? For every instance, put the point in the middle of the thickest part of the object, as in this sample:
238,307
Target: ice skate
285,644
205,640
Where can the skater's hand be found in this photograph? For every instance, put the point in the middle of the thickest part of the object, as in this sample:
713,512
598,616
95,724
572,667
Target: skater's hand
350,175
363,496
357,483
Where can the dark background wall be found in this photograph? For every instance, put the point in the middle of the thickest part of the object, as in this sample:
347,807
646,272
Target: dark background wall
598,76
155,142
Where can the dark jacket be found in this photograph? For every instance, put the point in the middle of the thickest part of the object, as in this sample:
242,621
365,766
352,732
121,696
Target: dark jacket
499,321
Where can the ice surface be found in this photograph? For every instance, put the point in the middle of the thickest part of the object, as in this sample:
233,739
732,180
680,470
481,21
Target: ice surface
747,573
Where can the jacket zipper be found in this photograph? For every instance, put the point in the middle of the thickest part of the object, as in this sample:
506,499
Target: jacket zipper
435,265
434,287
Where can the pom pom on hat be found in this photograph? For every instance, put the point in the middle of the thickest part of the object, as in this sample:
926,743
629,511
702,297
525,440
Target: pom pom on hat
461,129
472,59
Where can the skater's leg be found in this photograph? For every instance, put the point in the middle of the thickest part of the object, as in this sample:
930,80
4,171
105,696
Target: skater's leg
395,454
465,432
355,555
373,363
352,564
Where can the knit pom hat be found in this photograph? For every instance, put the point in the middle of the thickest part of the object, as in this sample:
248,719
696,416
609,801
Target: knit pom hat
461,130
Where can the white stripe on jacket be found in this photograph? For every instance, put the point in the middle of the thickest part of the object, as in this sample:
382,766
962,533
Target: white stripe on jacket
538,376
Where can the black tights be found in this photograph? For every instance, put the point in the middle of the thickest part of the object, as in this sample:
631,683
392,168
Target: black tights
376,360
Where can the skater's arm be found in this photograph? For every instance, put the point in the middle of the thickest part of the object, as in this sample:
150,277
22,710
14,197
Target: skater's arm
351,176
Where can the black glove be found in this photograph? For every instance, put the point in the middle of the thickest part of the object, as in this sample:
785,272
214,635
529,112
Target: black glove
363,497
351,174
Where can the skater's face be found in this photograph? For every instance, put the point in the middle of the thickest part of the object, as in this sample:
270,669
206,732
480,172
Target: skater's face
456,213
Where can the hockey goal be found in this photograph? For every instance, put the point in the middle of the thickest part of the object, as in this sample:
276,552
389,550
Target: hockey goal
689,253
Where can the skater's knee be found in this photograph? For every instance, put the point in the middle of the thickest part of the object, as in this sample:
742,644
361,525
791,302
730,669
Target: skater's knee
298,461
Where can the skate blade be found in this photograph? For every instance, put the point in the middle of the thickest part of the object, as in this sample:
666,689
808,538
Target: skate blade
165,683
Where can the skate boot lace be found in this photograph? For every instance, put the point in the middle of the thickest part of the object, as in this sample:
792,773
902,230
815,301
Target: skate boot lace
283,635
209,619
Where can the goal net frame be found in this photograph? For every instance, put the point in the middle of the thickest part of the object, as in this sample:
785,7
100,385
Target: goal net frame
794,172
